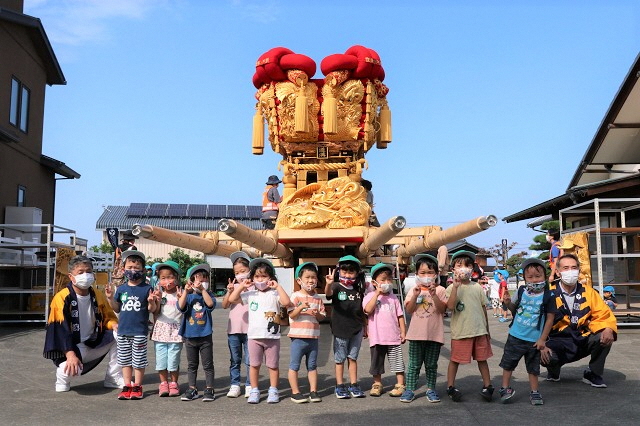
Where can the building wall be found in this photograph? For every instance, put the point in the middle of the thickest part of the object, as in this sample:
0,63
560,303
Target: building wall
20,162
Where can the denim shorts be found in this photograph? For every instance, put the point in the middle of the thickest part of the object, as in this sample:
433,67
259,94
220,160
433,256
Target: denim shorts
514,350
301,347
168,356
346,348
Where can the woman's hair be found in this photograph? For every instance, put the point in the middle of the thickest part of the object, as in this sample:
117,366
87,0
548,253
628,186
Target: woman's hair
263,267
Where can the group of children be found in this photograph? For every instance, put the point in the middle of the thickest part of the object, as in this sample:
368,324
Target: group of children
260,307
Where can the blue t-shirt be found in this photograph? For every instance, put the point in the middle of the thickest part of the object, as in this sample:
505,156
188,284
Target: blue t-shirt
525,323
133,319
196,321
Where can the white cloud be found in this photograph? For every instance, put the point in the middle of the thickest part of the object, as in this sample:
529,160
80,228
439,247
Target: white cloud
76,22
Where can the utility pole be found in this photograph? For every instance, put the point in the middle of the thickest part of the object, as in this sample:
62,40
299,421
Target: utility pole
505,253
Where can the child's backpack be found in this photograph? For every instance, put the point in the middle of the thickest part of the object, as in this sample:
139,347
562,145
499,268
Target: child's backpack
548,294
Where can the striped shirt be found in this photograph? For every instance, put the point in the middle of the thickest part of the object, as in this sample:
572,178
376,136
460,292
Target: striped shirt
305,326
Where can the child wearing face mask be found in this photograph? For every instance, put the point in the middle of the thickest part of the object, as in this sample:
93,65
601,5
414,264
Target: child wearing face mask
167,341
533,313
386,328
426,303
264,297
196,305
347,322
237,325
469,325
133,300
305,312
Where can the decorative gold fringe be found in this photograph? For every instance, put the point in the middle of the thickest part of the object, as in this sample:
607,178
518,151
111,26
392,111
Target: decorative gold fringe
302,112
257,145
385,124
330,113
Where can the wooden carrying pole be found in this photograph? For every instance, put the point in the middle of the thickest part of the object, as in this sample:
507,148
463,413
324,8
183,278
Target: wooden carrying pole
435,239
258,240
381,235
180,239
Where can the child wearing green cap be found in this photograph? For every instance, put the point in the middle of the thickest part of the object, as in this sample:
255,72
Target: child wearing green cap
469,325
167,341
426,303
347,322
305,312
386,329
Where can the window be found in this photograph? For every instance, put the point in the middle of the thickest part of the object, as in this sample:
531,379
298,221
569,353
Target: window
22,192
19,111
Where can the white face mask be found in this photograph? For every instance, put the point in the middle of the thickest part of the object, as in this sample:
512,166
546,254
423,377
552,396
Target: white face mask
309,287
386,287
84,281
205,287
464,274
570,277
261,285
425,280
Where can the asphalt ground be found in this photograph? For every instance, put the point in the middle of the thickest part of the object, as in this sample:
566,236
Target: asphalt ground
28,395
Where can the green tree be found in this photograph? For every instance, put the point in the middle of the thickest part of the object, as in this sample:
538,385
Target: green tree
514,262
104,247
184,260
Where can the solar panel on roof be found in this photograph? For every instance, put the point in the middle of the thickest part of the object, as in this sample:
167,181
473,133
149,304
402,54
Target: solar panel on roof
254,212
237,212
197,211
177,210
217,211
156,210
137,209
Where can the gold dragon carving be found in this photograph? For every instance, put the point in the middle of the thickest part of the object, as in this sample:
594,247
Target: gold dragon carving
337,204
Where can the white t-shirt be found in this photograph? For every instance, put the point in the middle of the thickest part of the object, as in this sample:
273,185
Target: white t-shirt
263,307
495,289
87,318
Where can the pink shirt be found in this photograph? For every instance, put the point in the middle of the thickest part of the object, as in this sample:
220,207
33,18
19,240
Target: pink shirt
305,326
238,318
426,322
383,327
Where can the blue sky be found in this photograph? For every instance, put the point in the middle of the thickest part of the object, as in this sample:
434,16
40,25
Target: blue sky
494,103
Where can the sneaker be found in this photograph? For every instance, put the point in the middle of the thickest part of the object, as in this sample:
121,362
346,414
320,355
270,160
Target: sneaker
163,389
454,394
397,391
407,396
355,391
117,384
234,391
536,398
376,389
298,398
314,397
208,395
506,394
174,389
125,393
591,378
342,392
136,392
254,396
553,374
432,396
487,393
247,391
274,396
503,319
190,394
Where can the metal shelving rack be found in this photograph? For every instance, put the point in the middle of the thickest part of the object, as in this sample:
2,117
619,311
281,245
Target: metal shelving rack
15,253
616,211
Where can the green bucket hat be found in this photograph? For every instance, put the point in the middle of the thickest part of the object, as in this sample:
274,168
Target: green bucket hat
168,264
379,267
349,258
299,268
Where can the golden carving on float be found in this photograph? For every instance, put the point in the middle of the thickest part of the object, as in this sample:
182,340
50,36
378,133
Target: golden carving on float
577,243
337,204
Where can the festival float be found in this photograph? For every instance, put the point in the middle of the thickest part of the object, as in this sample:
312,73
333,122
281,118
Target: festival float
323,128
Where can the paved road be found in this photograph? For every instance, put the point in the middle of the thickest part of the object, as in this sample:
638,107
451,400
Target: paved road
28,396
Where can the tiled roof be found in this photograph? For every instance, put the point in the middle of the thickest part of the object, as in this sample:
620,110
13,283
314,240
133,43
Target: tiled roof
116,217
